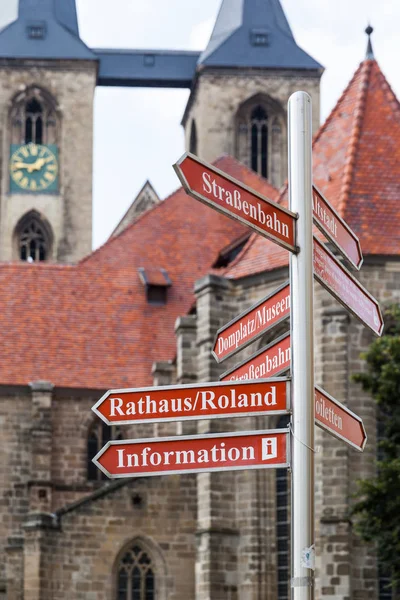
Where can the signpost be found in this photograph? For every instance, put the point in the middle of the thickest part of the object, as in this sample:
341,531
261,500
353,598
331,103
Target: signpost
245,389
336,418
252,323
193,401
268,362
335,229
195,454
229,196
346,289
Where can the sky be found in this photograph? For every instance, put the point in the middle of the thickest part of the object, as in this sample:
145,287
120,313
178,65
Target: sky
137,132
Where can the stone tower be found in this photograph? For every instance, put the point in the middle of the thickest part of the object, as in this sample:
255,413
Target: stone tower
47,82
243,81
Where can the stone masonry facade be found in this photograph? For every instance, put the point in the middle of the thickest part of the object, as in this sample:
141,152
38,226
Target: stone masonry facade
68,212
211,536
216,100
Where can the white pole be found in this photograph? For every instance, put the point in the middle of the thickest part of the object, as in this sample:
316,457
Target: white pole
302,349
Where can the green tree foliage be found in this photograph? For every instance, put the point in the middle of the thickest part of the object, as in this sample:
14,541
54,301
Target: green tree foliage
378,506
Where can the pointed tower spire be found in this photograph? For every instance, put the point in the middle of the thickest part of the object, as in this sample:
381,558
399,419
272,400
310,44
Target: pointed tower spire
45,29
370,53
254,33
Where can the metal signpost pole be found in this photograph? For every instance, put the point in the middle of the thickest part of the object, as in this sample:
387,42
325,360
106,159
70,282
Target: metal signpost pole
302,335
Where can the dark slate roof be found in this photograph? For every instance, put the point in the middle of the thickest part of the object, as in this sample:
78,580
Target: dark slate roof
146,68
46,29
254,33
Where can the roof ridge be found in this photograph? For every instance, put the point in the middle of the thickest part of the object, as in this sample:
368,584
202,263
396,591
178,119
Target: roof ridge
112,238
358,117
250,242
329,118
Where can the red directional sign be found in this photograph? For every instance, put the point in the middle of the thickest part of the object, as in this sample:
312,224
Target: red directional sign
195,454
341,422
346,289
229,196
271,360
252,323
193,401
335,229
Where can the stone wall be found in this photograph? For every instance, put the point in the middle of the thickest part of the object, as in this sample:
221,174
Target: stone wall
217,97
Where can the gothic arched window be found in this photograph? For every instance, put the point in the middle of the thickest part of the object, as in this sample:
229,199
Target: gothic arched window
135,575
282,526
259,141
99,434
33,118
33,238
193,138
259,137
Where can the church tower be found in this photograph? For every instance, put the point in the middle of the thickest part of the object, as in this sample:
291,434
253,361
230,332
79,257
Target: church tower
243,81
47,82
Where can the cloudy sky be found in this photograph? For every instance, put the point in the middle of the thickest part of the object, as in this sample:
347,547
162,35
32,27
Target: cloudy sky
137,132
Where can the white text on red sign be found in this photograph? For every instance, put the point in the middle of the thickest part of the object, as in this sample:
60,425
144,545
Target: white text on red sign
195,454
346,289
268,362
217,189
337,231
193,401
253,323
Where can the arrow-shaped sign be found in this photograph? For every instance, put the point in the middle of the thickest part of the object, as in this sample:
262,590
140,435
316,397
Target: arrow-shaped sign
341,422
195,454
229,196
346,289
268,362
336,229
252,323
193,401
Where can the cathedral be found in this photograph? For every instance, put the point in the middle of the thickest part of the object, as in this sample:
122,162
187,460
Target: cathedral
143,310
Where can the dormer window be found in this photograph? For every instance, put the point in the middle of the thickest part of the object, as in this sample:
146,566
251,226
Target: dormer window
156,283
259,37
36,30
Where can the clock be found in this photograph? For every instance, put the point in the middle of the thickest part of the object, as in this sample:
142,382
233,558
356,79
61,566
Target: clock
34,168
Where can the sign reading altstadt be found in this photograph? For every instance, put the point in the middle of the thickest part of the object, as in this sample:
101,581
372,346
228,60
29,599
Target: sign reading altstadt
268,362
346,289
253,323
195,454
217,189
193,401
335,229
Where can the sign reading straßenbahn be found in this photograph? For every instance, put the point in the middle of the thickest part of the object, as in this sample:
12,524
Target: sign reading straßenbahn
225,194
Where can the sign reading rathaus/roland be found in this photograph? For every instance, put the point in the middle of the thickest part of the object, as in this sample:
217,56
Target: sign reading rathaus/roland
253,387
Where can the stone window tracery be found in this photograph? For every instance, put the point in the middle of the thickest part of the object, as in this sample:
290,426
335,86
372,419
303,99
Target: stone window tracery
193,138
259,140
259,137
33,239
135,575
33,118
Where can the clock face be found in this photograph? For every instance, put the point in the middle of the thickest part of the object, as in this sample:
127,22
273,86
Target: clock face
33,168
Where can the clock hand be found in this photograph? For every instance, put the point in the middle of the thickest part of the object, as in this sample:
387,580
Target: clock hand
21,165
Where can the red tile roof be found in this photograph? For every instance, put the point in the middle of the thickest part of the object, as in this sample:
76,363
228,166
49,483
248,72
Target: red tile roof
356,164
89,325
